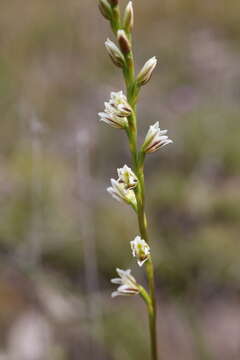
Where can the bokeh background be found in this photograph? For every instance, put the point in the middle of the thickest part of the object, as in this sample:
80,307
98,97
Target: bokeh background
62,235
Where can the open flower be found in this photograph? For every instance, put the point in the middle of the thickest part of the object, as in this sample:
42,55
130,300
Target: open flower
119,102
118,192
140,250
113,120
128,284
155,139
127,177
116,111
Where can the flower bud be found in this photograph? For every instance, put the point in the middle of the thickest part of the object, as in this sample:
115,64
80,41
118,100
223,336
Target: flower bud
114,53
140,250
105,9
113,2
145,74
123,41
128,18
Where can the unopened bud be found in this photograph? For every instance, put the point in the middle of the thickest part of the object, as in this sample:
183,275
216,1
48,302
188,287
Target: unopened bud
145,74
128,18
105,9
114,53
123,41
113,2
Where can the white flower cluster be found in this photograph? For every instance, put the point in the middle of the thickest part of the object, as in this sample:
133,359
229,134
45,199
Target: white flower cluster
116,111
119,114
122,188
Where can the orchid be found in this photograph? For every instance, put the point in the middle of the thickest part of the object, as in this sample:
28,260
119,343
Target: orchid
127,177
116,111
121,112
155,139
118,192
127,283
140,250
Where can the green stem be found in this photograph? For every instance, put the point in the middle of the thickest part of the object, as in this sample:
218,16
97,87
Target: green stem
138,160
142,220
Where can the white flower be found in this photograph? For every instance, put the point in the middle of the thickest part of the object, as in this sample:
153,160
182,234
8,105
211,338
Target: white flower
114,53
116,111
155,139
119,102
122,188
140,250
127,177
113,120
128,284
118,192
145,74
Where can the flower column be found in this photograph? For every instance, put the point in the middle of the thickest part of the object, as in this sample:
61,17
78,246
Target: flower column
120,112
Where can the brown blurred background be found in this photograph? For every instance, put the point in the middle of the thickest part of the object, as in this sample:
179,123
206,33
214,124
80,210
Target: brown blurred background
62,235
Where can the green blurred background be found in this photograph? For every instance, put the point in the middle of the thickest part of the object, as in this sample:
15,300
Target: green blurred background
62,235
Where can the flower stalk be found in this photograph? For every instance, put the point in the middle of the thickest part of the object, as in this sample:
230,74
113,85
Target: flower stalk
130,187
138,165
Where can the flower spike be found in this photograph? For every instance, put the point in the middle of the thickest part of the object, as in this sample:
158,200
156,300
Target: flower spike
155,139
127,284
140,250
121,112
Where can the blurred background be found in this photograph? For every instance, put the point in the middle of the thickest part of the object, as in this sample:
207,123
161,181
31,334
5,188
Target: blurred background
62,235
